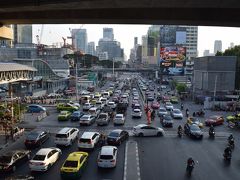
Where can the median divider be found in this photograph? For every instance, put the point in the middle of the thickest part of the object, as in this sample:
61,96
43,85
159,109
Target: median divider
41,116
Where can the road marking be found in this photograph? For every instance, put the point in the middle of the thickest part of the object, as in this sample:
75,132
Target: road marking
131,164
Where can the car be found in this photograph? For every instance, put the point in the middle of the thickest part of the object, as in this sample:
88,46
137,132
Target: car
66,107
112,104
88,140
165,99
75,104
64,115
36,138
136,98
87,119
147,130
11,159
117,136
167,121
194,120
163,87
162,111
119,119
99,104
193,130
151,88
44,159
136,113
94,111
66,136
74,165
76,115
35,108
174,100
214,120
168,106
176,114
103,119
155,105
104,100
87,106
115,99
150,98
134,102
107,157
137,106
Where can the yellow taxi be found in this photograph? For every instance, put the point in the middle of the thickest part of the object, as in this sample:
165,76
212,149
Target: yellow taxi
194,120
110,92
74,165
93,101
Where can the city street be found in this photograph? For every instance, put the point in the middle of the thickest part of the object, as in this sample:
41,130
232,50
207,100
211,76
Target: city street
155,158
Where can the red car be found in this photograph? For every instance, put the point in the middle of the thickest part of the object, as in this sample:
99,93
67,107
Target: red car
155,105
166,99
214,120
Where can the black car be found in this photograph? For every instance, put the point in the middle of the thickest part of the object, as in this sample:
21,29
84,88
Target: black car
167,121
150,98
193,131
117,136
36,138
12,159
76,115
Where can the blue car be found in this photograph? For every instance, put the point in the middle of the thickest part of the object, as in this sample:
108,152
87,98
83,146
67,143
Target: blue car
35,108
76,115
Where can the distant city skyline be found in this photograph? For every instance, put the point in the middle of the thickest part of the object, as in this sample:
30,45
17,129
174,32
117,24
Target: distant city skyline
125,35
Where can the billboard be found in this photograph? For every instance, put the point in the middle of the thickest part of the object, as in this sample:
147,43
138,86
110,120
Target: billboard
172,60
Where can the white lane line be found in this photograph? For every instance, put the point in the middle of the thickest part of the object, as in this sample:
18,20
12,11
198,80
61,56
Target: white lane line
125,163
137,160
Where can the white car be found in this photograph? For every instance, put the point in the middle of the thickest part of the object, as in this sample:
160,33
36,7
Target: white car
119,119
88,140
107,157
162,111
137,113
146,130
112,104
75,104
44,159
99,104
168,106
176,114
87,120
104,101
87,106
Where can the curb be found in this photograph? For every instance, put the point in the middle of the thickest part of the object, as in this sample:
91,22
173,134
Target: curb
3,146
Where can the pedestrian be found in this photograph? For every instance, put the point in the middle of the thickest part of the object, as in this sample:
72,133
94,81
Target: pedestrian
187,112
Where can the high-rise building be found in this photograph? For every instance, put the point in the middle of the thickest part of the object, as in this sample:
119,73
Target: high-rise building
108,34
206,52
217,46
22,34
135,42
113,48
80,39
91,48
231,45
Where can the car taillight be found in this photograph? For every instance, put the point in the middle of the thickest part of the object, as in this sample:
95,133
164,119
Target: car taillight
41,164
6,167
90,142
99,160
112,161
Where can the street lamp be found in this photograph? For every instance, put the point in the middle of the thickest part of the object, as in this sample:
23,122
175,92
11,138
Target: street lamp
76,78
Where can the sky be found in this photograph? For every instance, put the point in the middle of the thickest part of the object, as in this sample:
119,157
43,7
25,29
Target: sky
125,35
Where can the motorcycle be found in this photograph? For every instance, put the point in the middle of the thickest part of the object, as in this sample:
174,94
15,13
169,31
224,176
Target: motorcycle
180,133
211,134
189,169
231,143
227,157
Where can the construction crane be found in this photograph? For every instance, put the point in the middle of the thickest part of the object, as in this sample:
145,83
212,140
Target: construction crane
73,35
39,40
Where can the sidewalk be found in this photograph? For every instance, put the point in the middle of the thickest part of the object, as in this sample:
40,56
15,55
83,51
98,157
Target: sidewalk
5,147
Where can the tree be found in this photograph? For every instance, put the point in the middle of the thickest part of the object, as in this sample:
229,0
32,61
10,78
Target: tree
181,87
235,51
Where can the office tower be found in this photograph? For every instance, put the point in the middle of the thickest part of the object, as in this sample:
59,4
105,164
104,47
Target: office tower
217,46
108,34
80,39
91,48
206,52
22,34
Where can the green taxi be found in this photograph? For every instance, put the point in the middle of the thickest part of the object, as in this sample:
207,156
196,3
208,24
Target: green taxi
64,115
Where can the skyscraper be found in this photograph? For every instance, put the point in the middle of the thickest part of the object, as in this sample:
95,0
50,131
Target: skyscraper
22,34
108,34
91,48
80,39
217,46
206,52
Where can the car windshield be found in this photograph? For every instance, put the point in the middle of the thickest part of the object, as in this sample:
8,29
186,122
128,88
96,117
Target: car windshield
162,110
85,118
61,135
71,164
39,157
177,111
118,116
213,117
168,118
32,136
76,114
114,134
195,128
5,159
102,116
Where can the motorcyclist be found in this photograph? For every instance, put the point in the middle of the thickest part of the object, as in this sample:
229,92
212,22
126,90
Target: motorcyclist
194,114
182,106
211,129
187,112
180,129
190,165
153,115
231,140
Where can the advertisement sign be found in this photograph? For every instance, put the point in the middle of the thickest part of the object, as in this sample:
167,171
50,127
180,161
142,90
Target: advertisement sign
172,60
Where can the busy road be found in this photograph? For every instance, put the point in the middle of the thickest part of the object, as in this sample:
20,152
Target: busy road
163,157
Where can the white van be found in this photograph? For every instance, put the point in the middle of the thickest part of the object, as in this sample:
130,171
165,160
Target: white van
66,136
106,95
88,140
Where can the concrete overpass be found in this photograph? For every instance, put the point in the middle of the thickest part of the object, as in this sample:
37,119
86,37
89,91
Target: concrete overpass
186,12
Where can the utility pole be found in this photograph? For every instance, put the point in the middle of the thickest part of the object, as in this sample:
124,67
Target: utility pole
76,77
113,67
215,88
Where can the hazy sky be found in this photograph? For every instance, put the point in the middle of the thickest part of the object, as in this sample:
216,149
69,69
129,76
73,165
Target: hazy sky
126,33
